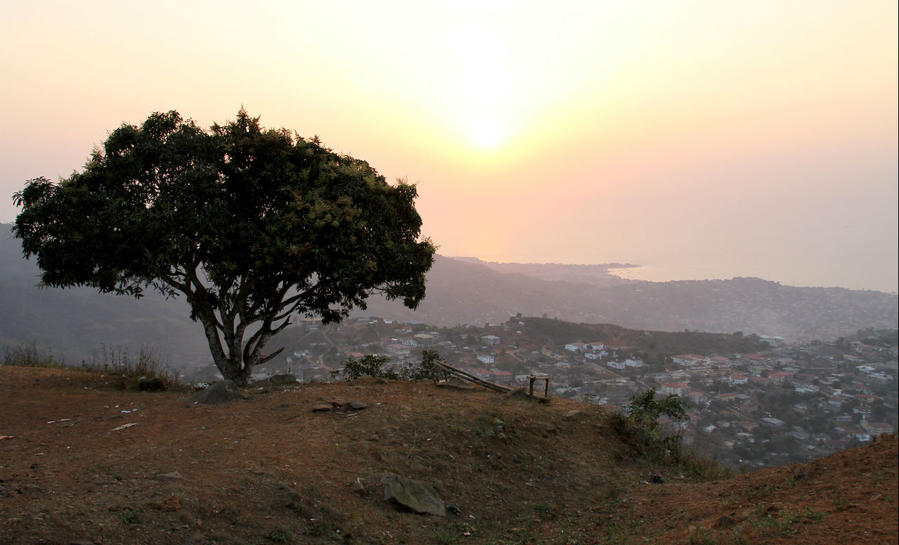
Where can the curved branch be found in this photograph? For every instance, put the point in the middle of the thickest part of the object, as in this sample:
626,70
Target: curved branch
270,356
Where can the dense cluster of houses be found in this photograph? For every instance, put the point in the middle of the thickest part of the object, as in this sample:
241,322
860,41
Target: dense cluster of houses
791,402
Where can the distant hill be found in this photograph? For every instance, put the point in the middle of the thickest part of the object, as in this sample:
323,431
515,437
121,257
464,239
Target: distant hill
474,292
556,332
79,323
75,323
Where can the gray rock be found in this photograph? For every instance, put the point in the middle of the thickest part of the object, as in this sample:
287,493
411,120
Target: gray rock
572,414
356,405
220,392
418,496
173,476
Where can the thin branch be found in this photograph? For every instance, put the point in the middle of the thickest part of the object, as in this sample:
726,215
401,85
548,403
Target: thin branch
270,356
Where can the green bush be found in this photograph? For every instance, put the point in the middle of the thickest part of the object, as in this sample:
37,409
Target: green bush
427,369
641,430
645,409
371,365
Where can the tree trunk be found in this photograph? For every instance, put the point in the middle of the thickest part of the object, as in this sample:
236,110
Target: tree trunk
230,365
232,370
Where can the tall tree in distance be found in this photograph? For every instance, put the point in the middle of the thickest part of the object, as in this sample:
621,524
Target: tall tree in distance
252,225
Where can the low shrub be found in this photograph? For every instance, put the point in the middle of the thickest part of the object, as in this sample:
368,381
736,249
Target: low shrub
29,356
371,365
641,430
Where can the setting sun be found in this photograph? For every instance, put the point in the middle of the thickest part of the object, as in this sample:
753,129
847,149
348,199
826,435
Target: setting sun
485,133
628,128
477,72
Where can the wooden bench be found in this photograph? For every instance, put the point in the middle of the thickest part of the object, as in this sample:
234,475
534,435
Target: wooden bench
532,379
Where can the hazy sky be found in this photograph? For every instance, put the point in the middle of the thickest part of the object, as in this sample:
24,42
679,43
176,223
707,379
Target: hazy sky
701,139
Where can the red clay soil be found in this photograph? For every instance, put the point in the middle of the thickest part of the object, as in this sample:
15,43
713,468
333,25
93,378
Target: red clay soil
82,461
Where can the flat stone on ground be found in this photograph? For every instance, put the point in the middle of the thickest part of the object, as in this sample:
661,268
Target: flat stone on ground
418,496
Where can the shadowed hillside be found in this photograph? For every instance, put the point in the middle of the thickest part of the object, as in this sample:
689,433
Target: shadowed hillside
77,323
86,462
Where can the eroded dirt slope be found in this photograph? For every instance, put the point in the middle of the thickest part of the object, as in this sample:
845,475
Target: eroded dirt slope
90,463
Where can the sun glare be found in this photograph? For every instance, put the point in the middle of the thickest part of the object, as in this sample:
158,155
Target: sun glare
481,84
485,133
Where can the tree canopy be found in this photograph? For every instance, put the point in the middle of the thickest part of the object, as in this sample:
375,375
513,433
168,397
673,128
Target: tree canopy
252,225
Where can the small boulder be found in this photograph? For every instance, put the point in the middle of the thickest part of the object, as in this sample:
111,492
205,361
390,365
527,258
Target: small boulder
417,496
321,407
356,405
220,392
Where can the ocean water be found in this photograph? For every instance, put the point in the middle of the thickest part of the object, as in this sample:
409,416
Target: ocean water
667,273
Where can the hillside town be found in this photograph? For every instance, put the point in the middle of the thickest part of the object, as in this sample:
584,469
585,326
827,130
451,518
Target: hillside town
786,403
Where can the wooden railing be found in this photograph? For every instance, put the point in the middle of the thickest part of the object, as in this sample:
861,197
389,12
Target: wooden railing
461,374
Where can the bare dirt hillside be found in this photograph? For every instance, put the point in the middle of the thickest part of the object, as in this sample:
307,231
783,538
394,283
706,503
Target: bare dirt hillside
82,461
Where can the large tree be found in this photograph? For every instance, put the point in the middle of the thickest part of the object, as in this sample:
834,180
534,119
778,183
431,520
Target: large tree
252,225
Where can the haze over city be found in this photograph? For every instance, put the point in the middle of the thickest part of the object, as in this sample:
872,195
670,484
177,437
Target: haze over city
697,139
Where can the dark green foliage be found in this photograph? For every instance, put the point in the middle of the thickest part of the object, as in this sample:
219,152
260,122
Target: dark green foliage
641,431
252,225
645,409
427,369
368,365
371,365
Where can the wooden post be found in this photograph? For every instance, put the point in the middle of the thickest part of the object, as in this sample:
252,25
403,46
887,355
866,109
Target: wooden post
531,379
